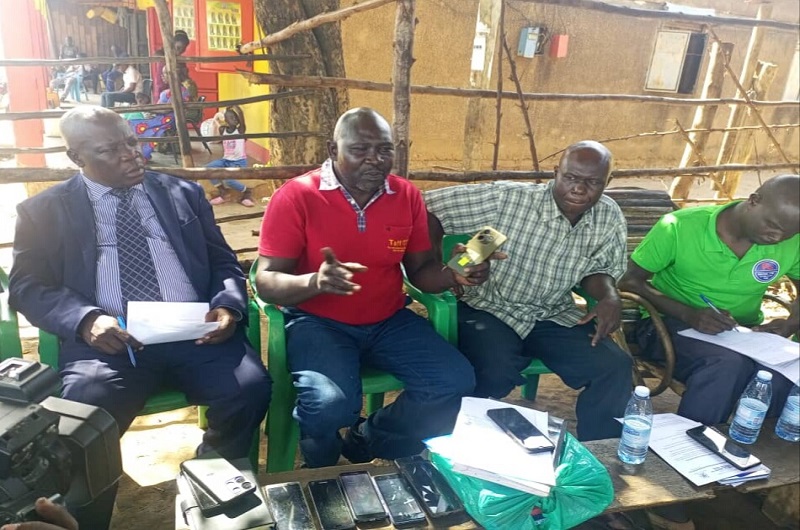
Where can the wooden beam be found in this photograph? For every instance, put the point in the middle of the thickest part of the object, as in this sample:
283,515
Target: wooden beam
669,15
165,23
359,84
155,59
311,23
480,77
742,148
703,116
12,175
54,114
749,101
498,110
523,107
404,24
699,156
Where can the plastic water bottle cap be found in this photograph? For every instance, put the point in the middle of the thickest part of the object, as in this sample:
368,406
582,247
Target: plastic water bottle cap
764,375
643,391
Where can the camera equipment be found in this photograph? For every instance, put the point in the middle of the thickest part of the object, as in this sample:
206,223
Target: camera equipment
50,446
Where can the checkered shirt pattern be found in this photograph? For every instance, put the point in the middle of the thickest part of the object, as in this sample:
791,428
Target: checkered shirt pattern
547,256
137,272
329,181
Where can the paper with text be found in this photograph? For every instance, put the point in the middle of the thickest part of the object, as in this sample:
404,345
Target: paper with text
159,322
773,351
699,465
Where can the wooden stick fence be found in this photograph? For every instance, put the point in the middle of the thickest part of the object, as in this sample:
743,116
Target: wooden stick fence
25,174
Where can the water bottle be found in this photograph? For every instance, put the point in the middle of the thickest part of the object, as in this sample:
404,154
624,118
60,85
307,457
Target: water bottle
636,427
752,409
788,426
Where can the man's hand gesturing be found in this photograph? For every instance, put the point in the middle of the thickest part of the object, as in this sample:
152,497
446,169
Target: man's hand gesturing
334,276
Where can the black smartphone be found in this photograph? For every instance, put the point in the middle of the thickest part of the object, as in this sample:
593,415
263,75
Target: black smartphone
437,497
712,439
218,477
520,430
362,497
289,507
329,501
403,508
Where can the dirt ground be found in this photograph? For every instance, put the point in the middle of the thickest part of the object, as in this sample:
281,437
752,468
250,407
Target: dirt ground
155,445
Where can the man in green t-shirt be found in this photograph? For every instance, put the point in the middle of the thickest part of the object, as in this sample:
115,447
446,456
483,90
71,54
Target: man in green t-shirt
728,254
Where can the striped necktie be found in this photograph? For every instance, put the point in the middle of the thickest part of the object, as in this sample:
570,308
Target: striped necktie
137,273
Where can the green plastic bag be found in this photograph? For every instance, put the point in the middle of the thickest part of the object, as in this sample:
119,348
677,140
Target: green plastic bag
583,490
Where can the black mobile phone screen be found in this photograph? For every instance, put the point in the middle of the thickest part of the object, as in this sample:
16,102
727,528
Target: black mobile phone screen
330,504
430,487
289,507
362,496
720,444
519,428
402,506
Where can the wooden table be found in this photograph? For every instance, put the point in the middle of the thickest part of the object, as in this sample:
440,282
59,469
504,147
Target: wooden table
651,484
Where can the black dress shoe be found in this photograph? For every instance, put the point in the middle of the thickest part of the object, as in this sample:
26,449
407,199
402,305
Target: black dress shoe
354,445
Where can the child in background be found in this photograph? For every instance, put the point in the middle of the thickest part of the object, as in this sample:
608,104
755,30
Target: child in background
233,156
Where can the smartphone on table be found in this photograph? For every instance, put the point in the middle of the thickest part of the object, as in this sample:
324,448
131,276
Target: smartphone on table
289,507
712,439
478,250
520,430
436,496
331,506
404,510
219,479
362,497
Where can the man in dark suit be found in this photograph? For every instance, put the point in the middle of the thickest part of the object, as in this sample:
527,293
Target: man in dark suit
116,233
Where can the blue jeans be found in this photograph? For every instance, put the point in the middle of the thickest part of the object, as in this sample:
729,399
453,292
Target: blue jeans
325,357
229,183
604,372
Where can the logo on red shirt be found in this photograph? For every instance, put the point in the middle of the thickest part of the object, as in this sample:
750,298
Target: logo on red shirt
397,245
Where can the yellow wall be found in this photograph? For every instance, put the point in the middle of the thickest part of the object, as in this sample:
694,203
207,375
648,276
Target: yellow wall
233,86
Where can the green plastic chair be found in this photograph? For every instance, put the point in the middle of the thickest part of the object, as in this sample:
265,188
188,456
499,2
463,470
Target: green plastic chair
49,347
443,306
283,433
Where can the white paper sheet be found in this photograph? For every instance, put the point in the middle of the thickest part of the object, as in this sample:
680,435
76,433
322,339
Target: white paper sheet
699,465
159,322
773,351
479,443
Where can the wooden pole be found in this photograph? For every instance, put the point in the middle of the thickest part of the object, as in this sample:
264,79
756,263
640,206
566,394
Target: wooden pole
670,15
703,116
40,174
165,23
742,149
480,77
751,57
698,154
523,106
401,82
309,81
311,23
501,31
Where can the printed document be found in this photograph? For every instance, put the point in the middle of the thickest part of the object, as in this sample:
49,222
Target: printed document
158,322
699,465
478,447
773,351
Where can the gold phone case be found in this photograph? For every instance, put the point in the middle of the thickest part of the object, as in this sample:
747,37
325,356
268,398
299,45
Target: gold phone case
480,247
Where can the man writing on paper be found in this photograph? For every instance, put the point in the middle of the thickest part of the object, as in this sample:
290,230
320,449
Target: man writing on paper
332,244
728,254
115,233
560,235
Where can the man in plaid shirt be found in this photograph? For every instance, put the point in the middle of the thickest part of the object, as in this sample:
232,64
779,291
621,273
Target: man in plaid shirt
561,235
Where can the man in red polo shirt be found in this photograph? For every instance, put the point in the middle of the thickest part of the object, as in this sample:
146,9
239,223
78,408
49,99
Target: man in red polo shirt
332,243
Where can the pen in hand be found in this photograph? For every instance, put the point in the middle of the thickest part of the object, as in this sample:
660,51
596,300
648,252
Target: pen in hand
121,322
710,304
